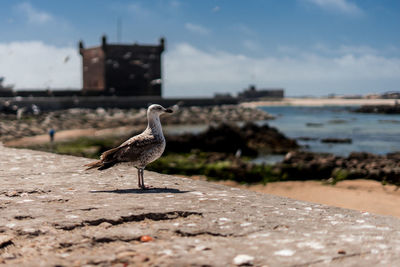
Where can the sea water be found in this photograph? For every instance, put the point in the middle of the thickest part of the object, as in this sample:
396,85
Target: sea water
374,133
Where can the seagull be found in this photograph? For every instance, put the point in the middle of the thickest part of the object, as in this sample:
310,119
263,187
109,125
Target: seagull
141,149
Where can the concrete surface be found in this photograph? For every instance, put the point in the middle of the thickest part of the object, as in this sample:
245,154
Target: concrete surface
53,213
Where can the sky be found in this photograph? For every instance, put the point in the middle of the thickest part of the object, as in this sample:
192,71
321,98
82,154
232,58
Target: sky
307,47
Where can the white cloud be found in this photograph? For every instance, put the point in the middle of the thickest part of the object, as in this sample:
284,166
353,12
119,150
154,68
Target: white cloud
36,65
196,28
347,49
190,71
216,9
289,49
34,15
251,45
343,6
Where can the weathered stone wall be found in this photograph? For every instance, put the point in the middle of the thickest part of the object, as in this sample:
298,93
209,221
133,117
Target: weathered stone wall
55,213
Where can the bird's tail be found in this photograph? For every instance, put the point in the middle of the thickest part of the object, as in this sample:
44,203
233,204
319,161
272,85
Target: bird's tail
100,165
92,165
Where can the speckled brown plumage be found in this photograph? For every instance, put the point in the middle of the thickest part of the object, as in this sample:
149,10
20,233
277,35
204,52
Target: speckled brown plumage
141,149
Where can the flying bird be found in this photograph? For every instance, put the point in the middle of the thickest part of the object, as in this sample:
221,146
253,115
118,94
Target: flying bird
141,149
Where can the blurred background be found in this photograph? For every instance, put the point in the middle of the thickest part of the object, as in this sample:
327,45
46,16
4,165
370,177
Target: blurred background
308,47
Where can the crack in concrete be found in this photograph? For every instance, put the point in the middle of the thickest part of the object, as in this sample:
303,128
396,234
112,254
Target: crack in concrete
23,217
187,234
6,244
60,200
110,239
29,232
20,192
351,255
65,244
89,209
156,216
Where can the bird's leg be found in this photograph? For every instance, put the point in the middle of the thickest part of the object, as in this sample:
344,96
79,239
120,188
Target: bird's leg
139,180
141,175
142,180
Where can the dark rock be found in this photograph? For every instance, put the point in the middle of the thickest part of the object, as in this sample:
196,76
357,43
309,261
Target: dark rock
300,164
337,140
362,156
229,138
337,121
312,124
268,139
385,109
394,156
305,138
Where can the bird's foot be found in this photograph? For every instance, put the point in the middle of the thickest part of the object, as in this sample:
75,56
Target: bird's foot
146,187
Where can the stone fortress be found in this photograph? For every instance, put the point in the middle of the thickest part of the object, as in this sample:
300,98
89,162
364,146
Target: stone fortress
121,69
120,76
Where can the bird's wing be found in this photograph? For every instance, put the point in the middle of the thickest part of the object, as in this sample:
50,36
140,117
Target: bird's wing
131,149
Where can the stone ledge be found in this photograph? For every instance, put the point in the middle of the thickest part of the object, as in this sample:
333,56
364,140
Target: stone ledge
55,213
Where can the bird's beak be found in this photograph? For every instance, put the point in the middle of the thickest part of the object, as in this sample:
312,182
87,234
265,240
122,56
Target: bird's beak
168,110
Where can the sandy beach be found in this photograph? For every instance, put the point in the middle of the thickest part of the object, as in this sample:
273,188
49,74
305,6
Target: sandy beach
363,195
320,102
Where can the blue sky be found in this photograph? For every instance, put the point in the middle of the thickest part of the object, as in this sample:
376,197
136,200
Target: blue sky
309,47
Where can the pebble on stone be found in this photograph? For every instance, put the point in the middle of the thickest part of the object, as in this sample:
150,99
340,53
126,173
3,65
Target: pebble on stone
285,252
243,259
146,238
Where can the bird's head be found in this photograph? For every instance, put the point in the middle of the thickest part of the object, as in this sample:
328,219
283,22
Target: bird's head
158,109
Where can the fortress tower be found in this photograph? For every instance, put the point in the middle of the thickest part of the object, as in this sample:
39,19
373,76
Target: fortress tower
122,69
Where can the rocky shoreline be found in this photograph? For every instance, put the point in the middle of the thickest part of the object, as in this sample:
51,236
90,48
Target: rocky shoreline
297,166
248,140
358,165
382,109
12,127
221,152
